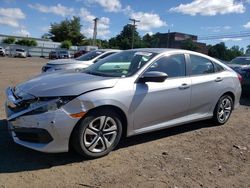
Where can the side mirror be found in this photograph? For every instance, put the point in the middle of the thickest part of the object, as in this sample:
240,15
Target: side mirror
153,76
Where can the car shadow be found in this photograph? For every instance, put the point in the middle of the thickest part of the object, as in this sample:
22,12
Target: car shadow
15,158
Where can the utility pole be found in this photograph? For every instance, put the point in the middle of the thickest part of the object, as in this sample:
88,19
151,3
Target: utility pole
95,31
168,38
133,34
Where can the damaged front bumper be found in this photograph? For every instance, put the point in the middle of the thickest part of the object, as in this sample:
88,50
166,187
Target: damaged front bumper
47,132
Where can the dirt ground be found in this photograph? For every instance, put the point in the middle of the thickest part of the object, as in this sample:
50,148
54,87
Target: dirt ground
194,155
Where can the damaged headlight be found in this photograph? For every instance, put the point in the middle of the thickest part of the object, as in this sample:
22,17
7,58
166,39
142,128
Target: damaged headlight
47,104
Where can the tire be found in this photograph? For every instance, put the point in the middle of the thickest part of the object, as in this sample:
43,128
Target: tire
223,110
97,134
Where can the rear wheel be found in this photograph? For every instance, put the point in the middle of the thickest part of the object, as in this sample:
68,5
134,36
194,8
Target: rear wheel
97,134
223,109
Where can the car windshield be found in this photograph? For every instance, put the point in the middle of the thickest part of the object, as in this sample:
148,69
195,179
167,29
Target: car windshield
121,64
240,61
90,55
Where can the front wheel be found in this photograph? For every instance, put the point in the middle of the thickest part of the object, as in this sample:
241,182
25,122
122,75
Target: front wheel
223,109
97,134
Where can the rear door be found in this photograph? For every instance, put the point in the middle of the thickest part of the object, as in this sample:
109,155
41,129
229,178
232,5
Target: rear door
207,84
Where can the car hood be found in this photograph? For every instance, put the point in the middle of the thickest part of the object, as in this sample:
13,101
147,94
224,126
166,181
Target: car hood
63,83
64,62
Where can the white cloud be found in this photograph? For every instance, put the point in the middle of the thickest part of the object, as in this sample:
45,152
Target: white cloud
86,15
57,9
108,5
22,32
247,25
11,16
231,39
45,29
102,26
217,28
9,21
149,33
210,8
148,21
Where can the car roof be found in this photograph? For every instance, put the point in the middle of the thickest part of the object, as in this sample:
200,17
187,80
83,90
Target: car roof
109,50
161,50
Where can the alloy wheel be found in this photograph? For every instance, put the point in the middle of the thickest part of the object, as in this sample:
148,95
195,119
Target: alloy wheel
224,110
100,134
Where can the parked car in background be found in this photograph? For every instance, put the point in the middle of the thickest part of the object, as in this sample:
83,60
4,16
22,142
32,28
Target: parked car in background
64,54
80,53
242,66
2,51
53,55
128,93
79,63
20,52
84,49
61,54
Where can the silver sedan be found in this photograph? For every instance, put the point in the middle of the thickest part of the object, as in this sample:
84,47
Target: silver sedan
128,93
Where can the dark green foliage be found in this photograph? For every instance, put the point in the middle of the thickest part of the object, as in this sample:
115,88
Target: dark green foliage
66,30
26,42
124,39
220,51
189,45
9,40
66,44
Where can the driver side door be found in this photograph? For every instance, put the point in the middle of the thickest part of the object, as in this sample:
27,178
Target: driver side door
159,105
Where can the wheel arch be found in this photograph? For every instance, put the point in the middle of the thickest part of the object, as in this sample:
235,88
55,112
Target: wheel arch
231,94
104,107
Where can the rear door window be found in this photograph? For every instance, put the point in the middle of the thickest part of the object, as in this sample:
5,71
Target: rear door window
200,65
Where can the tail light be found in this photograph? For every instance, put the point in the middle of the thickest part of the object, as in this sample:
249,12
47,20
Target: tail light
240,78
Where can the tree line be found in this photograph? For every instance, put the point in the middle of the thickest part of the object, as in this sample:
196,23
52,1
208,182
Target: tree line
68,32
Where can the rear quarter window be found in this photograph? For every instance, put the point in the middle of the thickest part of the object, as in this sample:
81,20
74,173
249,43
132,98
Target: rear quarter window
218,68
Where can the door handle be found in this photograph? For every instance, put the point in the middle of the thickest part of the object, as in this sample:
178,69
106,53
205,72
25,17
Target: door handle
184,86
218,79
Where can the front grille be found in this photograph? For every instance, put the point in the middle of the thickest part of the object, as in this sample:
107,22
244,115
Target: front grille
34,135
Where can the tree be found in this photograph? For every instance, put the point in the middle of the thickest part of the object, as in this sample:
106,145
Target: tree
234,52
66,30
152,41
124,39
9,40
66,44
220,51
26,42
248,49
189,45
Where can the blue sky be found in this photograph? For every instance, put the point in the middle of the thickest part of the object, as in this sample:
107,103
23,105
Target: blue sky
198,17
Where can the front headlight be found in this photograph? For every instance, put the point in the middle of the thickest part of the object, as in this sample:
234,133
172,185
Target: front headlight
43,105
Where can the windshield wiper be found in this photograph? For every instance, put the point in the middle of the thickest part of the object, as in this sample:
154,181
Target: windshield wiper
99,74
94,73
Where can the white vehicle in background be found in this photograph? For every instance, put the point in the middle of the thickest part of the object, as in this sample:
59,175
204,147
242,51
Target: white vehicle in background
2,51
79,63
20,52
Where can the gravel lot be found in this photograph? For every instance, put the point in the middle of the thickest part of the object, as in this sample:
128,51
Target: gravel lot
193,155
